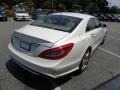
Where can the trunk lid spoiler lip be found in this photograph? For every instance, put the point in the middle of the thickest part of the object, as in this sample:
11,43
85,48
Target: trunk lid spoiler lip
49,44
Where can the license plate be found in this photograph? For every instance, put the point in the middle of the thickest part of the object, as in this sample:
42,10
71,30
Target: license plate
25,45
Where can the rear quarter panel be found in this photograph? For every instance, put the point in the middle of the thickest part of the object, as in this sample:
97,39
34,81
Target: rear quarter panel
81,43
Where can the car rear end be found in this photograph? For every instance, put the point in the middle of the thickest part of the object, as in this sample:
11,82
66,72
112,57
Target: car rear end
41,50
21,15
28,49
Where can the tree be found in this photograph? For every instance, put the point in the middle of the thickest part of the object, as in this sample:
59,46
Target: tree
86,5
119,10
114,9
47,4
102,4
91,8
76,7
61,7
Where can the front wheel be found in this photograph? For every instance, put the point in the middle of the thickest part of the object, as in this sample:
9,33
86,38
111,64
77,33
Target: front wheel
85,60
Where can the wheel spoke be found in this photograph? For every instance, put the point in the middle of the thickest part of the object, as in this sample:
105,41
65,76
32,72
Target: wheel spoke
85,61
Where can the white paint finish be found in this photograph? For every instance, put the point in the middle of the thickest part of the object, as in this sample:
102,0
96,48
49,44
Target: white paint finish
57,68
78,15
22,14
57,88
42,33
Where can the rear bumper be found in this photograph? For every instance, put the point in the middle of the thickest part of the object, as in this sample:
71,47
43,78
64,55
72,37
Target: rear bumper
33,65
2,18
32,71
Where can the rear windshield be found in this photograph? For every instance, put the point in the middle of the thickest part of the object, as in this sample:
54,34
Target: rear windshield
58,22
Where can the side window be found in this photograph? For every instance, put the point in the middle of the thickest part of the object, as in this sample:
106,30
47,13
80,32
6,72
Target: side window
90,25
93,23
97,23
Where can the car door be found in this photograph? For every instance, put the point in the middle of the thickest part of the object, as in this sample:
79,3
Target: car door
93,31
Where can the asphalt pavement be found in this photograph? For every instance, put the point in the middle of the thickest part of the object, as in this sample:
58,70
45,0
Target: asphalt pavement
103,72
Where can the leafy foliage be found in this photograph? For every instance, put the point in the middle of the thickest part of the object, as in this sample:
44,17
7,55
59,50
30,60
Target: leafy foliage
85,5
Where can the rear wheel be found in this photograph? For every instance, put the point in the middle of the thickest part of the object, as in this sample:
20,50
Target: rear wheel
5,19
85,60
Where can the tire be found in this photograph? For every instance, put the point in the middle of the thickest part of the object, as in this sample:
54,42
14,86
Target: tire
6,19
103,41
15,19
85,60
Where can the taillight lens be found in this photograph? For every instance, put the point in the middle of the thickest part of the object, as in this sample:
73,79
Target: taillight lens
57,53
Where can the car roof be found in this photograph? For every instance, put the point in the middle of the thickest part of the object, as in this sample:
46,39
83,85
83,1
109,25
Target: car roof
78,15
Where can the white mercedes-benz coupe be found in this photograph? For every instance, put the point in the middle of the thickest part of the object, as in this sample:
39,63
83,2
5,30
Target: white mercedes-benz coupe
57,44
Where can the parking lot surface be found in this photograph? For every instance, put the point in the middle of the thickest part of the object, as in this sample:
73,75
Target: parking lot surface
103,71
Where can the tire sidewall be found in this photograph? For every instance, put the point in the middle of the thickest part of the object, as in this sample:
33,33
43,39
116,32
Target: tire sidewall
81,63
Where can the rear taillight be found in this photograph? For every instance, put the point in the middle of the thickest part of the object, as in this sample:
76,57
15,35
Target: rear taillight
57,53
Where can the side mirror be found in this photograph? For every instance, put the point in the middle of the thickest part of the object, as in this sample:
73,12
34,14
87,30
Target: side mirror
104,25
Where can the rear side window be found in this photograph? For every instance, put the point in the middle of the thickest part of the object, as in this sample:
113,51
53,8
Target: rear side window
97,23
93,23
90,25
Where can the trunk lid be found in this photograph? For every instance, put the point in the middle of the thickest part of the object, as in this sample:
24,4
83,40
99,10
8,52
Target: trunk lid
33,40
